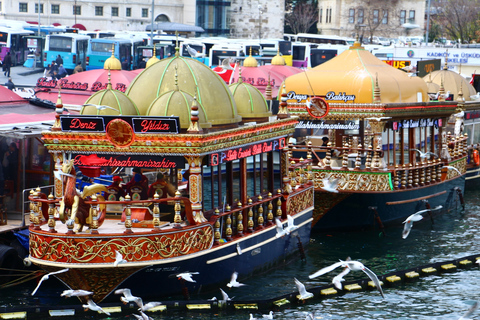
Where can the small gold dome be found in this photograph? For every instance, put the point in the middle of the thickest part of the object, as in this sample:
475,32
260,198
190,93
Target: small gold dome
178,103
112,63
250,62
251,103
278,60
194,78
109,102
151,61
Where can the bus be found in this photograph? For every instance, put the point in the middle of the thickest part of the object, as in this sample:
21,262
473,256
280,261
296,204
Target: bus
45,30
270,48
321,39
309,55
162,51
12,40
97,34
72,47
100,49
219,52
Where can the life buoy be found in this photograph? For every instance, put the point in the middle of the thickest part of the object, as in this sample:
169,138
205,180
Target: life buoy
476,157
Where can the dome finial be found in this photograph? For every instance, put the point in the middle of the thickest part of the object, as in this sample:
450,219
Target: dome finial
460,97
268,89
176,78
283,106
153,58
441,91
240,79
109,85
194,125
58,111
376,91
177,49
445,67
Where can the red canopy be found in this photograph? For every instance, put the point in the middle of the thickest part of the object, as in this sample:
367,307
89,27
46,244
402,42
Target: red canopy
56,24
7,96
79,26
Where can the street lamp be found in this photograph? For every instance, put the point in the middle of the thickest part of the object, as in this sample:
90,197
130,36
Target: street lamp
428,22
260,23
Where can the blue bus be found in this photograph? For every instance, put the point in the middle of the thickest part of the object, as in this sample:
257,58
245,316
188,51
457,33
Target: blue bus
100,49
71,47
45,30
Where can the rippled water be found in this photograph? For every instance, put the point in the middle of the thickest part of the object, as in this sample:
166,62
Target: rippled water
445,296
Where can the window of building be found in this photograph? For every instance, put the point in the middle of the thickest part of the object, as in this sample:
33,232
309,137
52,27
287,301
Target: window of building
98,10
77,10
411,16
114,11
23,7
403,16
351,16
55,9
128,12
144,13
375,16
328,18
36,7
320,14
385,17
360,16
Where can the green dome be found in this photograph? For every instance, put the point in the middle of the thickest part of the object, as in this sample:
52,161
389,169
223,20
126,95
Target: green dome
251,103
115,102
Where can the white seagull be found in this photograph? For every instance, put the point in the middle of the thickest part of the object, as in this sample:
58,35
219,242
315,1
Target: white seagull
233,281
128,297
453,168
268,316
99,107
45,277
225,296
142,316
475,97
437,95
337,280
470,311
94,307
417,216
279,228
310,316
290,225
423,155
118,259
303,293
148,306
75,293
330,186
354,266
226,64
379,118
251,317
194,53
187,276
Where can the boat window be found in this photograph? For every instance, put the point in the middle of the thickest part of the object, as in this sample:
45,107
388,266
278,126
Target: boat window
476,132
469,131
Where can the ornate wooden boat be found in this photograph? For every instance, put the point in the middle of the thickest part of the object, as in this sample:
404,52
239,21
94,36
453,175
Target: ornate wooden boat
471,123
224,221
389,152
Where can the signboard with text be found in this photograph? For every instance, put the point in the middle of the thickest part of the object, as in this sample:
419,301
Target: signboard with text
424,67
141,161
90,123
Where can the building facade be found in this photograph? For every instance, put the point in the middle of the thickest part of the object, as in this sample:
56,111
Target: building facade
367,18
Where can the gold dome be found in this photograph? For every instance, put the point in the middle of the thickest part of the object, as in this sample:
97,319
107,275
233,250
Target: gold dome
452,81
109,102
178,103
112,63
195,78
250,62
153,59
251,103
278,60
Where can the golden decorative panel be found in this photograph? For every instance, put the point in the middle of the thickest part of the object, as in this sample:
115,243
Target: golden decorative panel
135,248
354,180
299,201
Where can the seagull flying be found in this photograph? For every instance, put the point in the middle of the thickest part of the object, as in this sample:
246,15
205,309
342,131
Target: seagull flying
99,107
453,168
470,311
330,186
233,281
417,216
142,316
290,225
194,53
128,297
118,259
75,293
45,277
337,280
147,306
354,266
424,155
225,296
303,293
94,307
379,119
187,276
279,228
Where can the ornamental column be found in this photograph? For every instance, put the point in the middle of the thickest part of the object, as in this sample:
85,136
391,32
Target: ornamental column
195,187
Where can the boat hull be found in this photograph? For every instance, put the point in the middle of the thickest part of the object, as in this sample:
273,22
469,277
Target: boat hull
472,178
356,211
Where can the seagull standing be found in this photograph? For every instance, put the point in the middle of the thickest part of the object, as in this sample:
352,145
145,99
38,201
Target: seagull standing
118,259
233,281
290,225
303,293
417,216
330,186
75,293
279,228
423,155
226,64
94,307
45,277
187,276
354,266
128,297
268,316
475,97
194,53
251,317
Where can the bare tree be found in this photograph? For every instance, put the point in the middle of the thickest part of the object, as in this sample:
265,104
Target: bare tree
301,16
458,18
